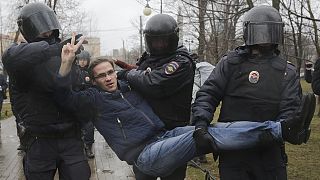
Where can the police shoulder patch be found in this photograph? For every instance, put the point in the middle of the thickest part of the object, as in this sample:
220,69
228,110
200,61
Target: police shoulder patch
171,67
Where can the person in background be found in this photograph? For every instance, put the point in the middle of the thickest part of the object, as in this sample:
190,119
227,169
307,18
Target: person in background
81,81
53,139
253,83
164,76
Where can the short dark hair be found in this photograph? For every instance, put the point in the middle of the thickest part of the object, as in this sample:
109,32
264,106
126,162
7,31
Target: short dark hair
96,62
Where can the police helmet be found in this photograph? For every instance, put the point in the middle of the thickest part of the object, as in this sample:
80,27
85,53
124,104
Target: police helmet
37,18
161,35
84,55
263,25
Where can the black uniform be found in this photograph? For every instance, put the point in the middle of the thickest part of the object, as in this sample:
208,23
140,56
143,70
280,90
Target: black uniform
32,68
52,134
254,84
252,89
169,94
79,82
18,103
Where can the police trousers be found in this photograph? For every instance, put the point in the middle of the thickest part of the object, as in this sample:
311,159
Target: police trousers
45,155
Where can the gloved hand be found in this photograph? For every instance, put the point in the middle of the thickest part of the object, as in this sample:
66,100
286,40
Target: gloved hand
204,141
122,74
201,124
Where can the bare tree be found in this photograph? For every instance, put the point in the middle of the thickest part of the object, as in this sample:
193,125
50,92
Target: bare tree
202,11
315,27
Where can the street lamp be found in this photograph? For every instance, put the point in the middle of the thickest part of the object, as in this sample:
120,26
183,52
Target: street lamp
147,9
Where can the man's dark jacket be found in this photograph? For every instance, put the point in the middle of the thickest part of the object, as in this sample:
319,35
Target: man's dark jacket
123,117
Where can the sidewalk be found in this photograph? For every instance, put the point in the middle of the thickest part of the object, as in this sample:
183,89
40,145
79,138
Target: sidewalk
105,166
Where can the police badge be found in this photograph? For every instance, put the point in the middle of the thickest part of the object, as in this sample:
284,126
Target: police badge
254,77
171,67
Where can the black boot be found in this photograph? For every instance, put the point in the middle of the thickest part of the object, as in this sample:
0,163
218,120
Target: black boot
296,129
88,149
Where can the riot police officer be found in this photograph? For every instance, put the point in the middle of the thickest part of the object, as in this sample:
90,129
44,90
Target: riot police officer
53,139
253,83
164,77
81,81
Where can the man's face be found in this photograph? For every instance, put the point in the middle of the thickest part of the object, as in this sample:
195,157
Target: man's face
105,77
83,62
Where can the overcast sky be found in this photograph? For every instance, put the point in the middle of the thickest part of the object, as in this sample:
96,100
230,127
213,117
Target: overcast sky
114,21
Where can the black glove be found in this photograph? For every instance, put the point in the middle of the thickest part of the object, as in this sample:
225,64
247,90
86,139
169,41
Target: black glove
204,141
122,74
201,124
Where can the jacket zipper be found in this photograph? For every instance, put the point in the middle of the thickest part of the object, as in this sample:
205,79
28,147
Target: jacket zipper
121,127
148,119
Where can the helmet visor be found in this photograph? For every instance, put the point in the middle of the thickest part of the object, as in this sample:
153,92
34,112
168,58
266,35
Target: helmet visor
161,45
263,33
39,23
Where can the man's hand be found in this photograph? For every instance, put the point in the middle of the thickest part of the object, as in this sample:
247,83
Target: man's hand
68,55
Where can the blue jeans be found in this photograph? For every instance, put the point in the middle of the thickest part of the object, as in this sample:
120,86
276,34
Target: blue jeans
177,146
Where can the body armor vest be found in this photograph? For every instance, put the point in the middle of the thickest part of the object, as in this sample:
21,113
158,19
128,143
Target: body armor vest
174,110
254,90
